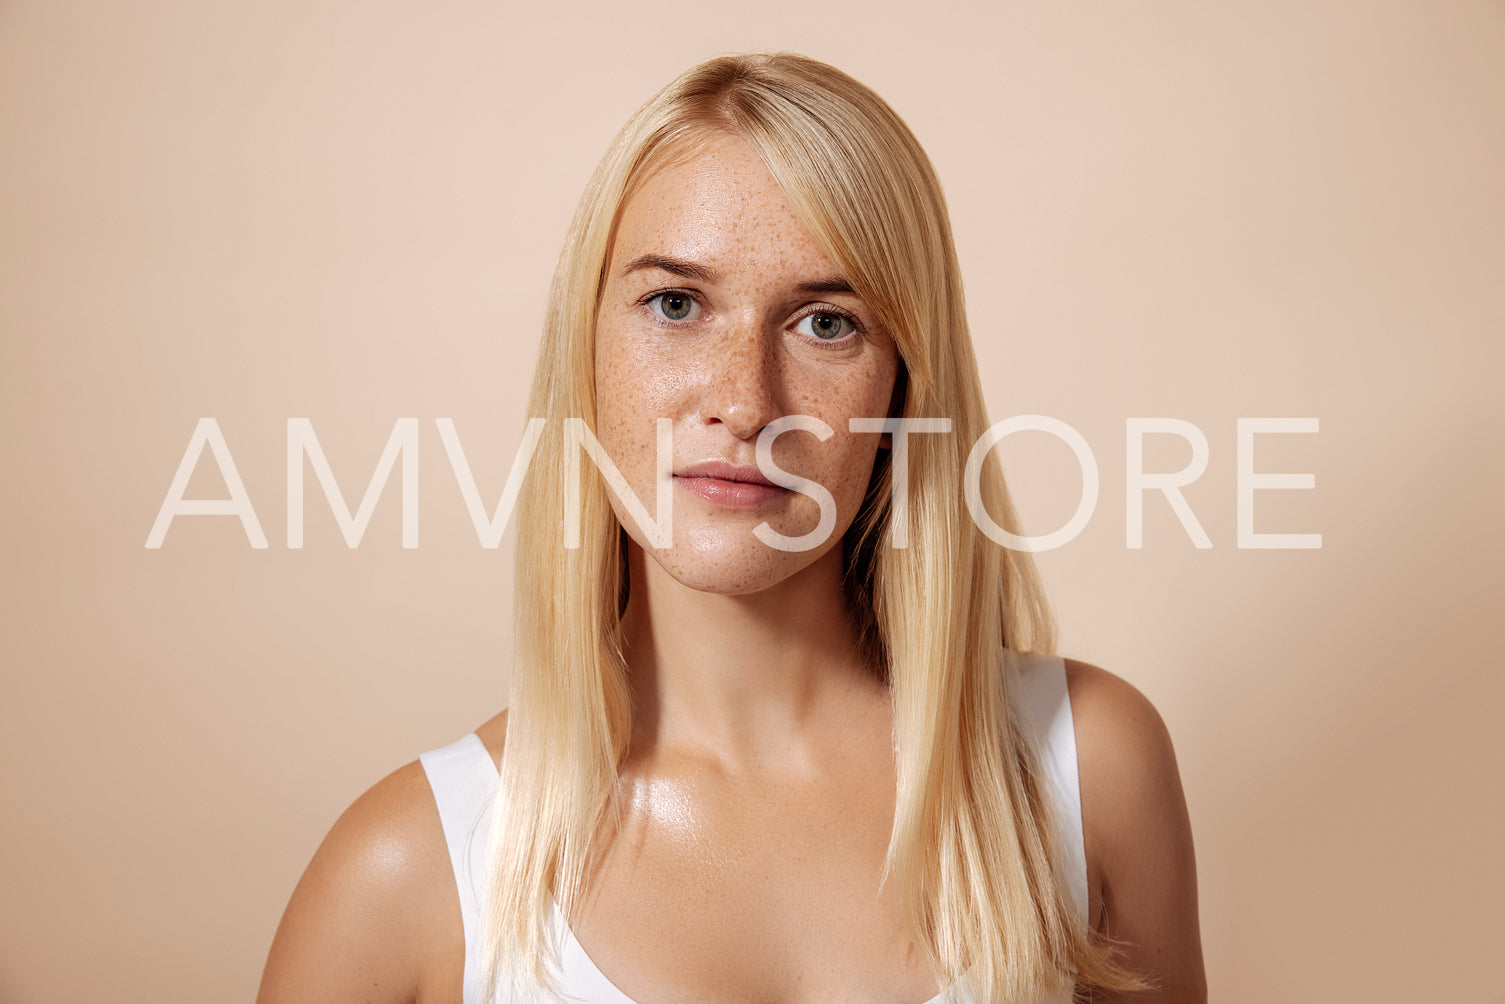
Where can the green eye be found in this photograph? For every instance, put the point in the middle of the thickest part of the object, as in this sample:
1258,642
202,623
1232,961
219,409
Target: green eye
674,306
825,326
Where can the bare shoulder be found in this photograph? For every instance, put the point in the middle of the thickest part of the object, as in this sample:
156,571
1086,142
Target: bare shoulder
1131,786
1121,738
375,916
1141,864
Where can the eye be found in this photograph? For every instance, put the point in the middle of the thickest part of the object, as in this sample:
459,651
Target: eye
825,325
674,306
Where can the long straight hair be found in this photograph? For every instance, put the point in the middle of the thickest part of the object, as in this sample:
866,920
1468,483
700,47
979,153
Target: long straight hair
973,852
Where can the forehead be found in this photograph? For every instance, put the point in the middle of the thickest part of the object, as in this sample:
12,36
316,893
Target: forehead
720,207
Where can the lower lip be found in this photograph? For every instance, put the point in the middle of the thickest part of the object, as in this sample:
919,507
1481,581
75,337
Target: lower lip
732,494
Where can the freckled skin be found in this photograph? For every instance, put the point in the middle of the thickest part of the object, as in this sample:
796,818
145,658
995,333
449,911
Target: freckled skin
745,354
745,860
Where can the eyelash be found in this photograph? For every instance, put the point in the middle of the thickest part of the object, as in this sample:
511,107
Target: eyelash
819,308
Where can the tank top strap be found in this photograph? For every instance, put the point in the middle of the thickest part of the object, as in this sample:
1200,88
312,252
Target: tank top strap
464,781
1039,694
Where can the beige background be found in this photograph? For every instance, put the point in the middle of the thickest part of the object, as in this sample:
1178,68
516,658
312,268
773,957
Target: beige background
349,211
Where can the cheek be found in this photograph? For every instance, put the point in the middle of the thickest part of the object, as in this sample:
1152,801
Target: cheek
645,376
847,396
614,375
621,387
634,388
857,453
616,388
855,458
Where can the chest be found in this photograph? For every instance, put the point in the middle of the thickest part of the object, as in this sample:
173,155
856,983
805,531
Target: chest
763,893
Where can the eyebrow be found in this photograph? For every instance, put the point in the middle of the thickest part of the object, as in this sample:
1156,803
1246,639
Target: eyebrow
835,284
694,270
674,266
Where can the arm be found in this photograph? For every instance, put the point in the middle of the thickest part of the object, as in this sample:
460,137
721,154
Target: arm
1141,869
375,917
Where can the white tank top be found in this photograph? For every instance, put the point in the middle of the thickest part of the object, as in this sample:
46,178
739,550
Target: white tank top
464,781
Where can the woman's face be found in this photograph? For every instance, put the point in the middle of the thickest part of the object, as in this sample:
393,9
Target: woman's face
721,313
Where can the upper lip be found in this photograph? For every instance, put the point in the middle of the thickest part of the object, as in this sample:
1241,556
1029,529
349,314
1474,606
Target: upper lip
723,471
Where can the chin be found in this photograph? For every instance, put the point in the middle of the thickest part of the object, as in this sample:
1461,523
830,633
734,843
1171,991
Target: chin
711,563
734,574
722,586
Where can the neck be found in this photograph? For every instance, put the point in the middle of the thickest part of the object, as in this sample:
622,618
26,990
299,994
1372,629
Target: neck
747,679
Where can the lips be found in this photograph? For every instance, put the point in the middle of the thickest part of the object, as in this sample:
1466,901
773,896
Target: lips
730,485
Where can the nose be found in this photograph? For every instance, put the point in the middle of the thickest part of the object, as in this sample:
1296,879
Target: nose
741,390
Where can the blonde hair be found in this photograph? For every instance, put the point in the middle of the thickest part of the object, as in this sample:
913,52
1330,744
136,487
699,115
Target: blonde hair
972,853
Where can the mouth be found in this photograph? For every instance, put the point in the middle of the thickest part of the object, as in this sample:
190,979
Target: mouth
728,485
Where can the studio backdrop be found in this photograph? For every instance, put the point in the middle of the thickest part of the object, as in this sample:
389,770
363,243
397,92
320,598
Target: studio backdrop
1242,263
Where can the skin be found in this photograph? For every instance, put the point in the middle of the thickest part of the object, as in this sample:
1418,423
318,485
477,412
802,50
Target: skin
758,790
715,240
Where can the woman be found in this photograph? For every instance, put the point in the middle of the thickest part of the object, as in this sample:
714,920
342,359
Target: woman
773,738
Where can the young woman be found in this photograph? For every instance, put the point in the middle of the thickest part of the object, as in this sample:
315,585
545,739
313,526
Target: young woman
774,732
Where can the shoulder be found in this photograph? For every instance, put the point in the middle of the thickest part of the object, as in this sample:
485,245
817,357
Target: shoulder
1126,765
375,916
1122,742
1141,866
